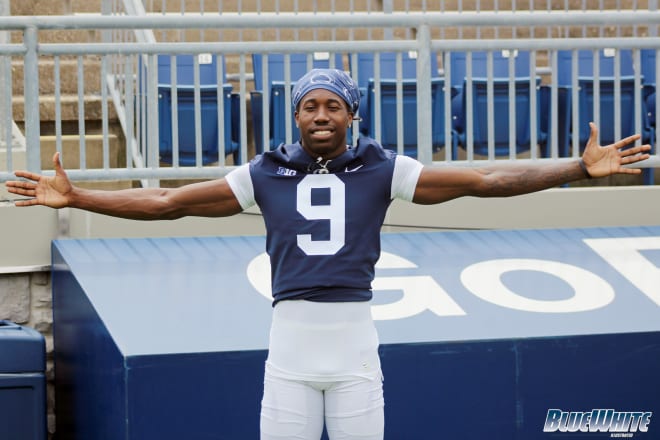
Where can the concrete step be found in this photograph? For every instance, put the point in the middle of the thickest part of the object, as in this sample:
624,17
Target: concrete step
50,7
93,154
69,108
68,76
61,36
93,151
214,6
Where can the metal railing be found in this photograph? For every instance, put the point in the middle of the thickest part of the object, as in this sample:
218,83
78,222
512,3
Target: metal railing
128,58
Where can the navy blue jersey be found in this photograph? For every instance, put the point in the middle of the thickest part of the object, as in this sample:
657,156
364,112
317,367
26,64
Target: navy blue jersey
323,220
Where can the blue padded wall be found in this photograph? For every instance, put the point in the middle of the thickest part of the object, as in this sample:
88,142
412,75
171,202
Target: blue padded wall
166,338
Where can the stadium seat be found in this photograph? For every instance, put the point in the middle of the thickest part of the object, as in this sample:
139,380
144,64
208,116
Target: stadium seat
501,115
388,114
299,64
185,91
585,61
606,71
607,104
501,61
649,72
458,76
388,103
365,72
502,78
563,120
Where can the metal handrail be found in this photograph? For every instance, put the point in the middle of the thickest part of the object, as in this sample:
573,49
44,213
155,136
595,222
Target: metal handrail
423,44
288,20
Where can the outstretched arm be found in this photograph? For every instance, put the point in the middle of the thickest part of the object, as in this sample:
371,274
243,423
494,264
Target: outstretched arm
438,185
207,199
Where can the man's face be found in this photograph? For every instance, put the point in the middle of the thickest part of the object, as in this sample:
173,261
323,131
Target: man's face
323,118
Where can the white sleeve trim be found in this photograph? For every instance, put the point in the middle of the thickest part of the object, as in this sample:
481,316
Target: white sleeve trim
240,182
404,179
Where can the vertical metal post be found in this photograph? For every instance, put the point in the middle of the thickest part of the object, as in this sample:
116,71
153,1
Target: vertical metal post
174,105
152,116
399,103
575,102
388,8
554,107
288,115
653,29
5,10
617,95
265,129
447,125
424,105
243,107
637,63
512,103
354,75
6,124
81,113
490,106
106,37
129,99
6,115
58,107
377,114
104,112
596,83
220,99
198,111
31,87
533,107
469,107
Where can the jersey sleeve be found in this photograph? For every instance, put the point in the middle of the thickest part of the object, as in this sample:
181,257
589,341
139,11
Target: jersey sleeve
240,182
404,179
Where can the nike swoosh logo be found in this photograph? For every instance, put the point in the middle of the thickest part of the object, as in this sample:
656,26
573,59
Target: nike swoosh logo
354,169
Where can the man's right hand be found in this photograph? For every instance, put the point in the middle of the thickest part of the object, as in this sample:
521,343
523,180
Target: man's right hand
50,191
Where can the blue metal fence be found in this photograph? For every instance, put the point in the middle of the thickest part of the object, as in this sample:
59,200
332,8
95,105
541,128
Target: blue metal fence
129,52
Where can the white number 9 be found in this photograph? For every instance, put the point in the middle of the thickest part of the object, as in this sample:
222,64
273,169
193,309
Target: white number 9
334,211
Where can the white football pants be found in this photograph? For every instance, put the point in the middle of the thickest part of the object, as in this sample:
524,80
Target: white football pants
295,410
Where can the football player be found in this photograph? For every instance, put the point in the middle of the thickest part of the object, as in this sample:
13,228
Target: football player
323,204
